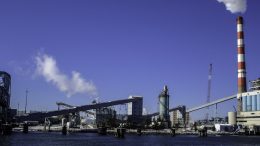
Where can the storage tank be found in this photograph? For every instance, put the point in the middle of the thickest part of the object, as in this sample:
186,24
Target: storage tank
164,105
232,118
254,102
244,101
249,103
258,102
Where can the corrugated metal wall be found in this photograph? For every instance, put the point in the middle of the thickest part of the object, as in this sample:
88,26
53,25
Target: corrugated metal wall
251,101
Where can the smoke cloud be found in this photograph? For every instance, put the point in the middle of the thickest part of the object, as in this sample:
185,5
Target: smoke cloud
235,6
46,66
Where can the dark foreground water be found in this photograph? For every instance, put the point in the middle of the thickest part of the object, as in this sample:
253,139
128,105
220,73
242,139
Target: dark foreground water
56,139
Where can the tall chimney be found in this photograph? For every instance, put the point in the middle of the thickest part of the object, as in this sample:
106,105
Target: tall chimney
241,60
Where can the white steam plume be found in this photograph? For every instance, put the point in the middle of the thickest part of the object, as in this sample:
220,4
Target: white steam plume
235,6
145,112
46,66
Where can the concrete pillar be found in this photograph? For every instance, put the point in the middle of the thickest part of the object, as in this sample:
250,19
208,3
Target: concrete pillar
139,131
64,130
172,132
25,128
120,132
6,129
102,130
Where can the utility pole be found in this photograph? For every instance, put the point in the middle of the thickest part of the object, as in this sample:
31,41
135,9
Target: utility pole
209,89
26,94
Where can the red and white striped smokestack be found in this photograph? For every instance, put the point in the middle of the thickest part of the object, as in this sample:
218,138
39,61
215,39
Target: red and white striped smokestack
241,56
241,60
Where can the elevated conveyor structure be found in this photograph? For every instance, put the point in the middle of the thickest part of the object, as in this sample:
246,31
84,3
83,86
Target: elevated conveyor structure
41,116
212,103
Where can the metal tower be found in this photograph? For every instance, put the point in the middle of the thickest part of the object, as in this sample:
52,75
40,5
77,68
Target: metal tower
26,95
209,89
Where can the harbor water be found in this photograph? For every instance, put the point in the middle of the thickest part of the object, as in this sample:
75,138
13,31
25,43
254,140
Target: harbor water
81,139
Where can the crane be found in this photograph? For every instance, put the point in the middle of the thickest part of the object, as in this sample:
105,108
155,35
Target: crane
209,89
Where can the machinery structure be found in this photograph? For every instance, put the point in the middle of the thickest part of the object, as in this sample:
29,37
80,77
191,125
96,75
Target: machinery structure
164,116
40,116
98,117
255,85
5,94
6,113
181,109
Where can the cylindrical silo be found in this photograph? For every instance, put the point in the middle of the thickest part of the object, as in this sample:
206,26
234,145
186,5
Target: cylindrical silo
232,118
254,102
244,101
258,102
164,105
249,103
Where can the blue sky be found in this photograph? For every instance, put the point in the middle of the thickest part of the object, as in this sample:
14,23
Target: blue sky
130,47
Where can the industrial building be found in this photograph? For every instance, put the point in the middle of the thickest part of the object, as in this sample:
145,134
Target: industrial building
105,116
6,113
164,116
135,110
176,118
248,113
5,94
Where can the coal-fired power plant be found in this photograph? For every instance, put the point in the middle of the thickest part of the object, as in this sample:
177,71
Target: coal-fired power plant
241,61
103,117
164,106
248,102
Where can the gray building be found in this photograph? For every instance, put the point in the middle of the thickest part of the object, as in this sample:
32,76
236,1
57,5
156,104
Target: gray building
135,110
